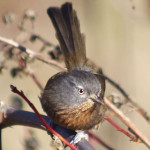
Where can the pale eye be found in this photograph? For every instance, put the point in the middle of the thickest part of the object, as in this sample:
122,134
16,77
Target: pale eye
80,91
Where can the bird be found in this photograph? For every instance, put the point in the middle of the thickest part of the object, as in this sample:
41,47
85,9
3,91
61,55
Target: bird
73,98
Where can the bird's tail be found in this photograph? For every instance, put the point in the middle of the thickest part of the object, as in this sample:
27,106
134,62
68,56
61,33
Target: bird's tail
71,40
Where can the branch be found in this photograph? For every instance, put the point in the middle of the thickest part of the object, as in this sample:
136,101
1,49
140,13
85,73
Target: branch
139,109
133,138
127,122
13,117
36,80
31,53
100,141
15,90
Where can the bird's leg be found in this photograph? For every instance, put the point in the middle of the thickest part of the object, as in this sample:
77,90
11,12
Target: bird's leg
80,134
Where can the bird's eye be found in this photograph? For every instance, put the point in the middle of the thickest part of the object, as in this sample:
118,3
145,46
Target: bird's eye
80,91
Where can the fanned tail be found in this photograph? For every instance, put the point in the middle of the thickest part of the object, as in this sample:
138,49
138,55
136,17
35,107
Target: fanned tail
71,40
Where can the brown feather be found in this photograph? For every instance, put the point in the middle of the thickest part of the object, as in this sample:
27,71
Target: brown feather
68,33
82,117
64,111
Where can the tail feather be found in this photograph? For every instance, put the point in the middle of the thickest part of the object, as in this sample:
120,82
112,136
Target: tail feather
70,38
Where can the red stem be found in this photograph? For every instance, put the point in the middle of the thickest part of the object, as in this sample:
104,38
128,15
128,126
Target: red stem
134,138
15,90
100,141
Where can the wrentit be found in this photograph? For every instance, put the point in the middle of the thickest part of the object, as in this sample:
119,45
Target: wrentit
73,99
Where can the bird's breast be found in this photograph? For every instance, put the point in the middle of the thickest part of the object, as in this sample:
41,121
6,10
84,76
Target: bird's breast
82,117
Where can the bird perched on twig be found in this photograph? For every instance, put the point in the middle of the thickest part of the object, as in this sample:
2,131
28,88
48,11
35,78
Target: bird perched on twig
73,99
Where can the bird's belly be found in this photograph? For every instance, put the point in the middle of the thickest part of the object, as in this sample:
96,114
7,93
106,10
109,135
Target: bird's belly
79,119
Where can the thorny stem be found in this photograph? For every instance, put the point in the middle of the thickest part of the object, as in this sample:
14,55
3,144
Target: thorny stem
15,90
139,109
31,53
35,79
127,122
51,62
133,138
100,141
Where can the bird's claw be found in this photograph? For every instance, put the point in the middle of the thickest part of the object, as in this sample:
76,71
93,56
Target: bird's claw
80,135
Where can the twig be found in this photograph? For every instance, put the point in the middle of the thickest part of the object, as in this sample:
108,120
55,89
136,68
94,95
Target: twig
13,117
31,53
127,122
15,90
36,80
100,141
40,38
139,109
133,138
51,62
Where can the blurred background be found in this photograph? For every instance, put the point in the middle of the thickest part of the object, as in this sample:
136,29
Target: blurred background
117,39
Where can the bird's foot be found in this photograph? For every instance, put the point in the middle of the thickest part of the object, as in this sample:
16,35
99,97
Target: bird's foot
80,135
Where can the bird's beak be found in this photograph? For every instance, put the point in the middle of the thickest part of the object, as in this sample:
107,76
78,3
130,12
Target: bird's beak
98,100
